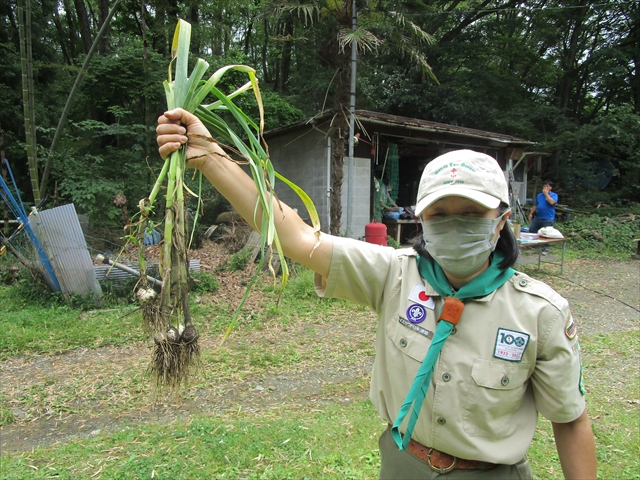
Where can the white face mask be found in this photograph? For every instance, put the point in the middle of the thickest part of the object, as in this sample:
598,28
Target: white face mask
460,245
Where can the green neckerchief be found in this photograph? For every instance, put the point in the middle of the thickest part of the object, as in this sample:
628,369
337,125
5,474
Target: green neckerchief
485,283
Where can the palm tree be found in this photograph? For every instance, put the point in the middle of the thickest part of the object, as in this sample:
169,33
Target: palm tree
380,27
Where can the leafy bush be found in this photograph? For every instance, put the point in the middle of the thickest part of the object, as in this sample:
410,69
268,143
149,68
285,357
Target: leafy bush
300,285
27,290
10,273
204,282
599,235
236,262
117,293
392,242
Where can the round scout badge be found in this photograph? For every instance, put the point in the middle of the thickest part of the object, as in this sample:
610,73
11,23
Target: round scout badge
416,313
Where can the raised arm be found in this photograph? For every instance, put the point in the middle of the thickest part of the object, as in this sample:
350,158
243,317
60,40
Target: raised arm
547,190
298,239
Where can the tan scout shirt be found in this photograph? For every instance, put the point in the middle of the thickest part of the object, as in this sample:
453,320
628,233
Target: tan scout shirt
513,354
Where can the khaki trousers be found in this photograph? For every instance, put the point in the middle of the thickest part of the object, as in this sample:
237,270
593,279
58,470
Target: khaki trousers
402,465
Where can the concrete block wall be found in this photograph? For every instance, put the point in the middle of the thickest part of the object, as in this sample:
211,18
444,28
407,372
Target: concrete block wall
302,157
361,197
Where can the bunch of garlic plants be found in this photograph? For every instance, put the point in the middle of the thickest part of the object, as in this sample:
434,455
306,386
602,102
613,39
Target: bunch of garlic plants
167,315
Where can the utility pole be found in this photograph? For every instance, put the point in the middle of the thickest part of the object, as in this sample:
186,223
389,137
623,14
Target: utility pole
352,123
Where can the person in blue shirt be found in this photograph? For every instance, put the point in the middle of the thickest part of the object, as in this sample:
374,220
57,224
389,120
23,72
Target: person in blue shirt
543,213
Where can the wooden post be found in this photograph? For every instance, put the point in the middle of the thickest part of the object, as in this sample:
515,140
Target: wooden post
17,254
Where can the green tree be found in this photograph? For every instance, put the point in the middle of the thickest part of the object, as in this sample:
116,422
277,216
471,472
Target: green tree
557,72
326,28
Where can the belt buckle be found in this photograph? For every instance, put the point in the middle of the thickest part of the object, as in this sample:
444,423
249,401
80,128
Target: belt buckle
441,471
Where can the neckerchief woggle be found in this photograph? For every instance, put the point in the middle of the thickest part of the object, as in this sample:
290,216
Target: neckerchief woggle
485,283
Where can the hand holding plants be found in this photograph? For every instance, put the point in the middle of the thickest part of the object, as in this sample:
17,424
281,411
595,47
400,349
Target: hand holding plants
172,135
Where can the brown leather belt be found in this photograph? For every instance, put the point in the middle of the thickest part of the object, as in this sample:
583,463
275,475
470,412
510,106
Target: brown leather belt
443,462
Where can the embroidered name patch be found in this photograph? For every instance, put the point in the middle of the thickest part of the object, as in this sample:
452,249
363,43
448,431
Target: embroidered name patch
416,328
510,345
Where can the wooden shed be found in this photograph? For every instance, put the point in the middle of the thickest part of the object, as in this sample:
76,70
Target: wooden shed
302,152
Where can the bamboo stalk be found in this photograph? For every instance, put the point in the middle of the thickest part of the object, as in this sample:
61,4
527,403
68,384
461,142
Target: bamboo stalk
24,29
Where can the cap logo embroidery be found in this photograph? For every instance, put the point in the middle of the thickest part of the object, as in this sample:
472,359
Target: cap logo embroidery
452,182
440,169
466,173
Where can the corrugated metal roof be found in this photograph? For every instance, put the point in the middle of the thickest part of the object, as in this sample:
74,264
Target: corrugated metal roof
59,232
106,272
366,116
435,127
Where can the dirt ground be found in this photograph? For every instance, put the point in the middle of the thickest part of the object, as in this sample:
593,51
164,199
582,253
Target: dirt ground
604,294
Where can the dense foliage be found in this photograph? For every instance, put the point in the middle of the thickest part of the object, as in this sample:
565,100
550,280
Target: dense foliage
601,235
559,72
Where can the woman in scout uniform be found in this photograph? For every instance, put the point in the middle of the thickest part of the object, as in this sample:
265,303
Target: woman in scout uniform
468,351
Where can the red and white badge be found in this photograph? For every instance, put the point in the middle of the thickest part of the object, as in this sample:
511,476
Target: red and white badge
418,295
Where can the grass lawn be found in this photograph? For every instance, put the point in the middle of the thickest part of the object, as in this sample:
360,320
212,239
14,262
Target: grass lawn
329,441
40,325
334,436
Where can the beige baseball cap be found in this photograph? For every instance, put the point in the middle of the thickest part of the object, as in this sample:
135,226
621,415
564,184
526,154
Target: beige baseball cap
463,173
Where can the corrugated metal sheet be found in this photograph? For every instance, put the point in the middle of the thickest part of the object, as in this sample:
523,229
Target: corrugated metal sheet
106,272
60,234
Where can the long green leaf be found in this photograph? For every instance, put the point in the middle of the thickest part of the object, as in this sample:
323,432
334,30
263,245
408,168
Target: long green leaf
192,99
215,78
168,92
306,200
256,92
218,104
247,125
180,53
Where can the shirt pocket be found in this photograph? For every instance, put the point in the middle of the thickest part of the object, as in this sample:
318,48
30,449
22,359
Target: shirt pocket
496,392
411,339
